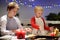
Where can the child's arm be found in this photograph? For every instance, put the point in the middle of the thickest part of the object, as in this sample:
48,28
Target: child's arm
45,26
33,24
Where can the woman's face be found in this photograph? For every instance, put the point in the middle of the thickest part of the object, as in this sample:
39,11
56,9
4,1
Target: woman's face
13,12
38,13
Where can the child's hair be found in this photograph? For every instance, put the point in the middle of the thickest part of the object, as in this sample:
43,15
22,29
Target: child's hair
12,5
38,8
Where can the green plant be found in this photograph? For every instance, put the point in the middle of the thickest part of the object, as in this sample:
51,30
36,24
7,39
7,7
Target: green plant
53,17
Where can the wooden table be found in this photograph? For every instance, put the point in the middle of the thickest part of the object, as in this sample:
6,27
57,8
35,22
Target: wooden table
33,37
47,37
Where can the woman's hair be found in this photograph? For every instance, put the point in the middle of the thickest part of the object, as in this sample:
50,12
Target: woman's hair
38,8
12,5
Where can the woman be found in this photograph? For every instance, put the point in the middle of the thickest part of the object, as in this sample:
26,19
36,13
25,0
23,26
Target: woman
10,23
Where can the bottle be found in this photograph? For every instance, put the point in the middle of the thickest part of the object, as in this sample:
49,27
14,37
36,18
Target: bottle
56,30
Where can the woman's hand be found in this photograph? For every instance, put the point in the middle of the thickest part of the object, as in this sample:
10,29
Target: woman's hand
13,31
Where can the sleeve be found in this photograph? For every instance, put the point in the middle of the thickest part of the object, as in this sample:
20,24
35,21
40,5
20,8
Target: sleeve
19,24
45,26
33,24
3,27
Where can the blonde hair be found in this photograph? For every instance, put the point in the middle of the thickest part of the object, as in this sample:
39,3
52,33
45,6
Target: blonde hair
38,8
12,5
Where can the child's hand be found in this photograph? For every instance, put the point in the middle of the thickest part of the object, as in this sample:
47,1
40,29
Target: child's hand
28,30
51,29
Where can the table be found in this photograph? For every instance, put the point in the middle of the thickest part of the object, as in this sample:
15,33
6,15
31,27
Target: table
8,37
48,37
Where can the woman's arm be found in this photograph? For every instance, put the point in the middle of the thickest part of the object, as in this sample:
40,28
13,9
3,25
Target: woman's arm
3,27
19,23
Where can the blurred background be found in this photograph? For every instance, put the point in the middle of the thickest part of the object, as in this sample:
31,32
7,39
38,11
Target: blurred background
51,10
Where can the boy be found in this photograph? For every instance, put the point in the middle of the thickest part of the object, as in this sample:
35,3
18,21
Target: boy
38,22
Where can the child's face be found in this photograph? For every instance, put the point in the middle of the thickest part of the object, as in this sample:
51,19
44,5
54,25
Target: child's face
38,13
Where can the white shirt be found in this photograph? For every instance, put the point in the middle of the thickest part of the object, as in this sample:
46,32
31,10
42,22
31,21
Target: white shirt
40,22
4,22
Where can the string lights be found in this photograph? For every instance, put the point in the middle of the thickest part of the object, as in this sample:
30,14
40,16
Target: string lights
33,3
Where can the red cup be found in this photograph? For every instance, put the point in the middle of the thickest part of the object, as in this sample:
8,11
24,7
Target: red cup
20,34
